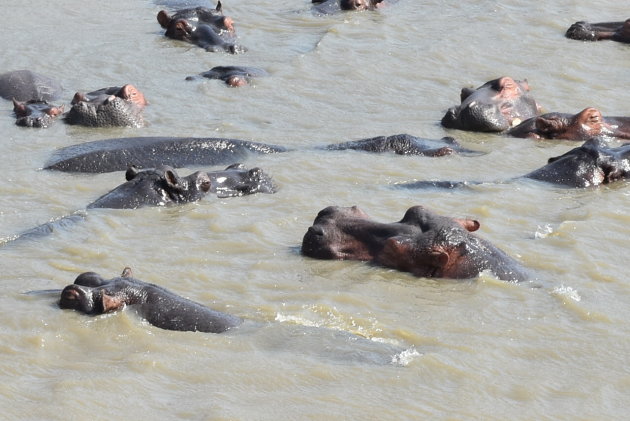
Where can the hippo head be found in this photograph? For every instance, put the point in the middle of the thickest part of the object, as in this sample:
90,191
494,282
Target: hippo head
584,125
155,187
90,300
331,235
359,4
236,180
495,106
35,113
182,23
108,107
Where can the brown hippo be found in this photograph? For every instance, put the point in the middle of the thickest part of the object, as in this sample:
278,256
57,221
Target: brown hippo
423,243
495,106
584,31
582,126
35,113
93,295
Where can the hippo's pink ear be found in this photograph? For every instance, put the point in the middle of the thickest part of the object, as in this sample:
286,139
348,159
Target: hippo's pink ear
111,303
468,224
163,19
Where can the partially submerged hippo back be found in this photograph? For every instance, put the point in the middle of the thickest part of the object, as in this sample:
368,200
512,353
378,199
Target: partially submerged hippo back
34,113
91,294
495,106
24,85
108,107
158,187
423,243
403,144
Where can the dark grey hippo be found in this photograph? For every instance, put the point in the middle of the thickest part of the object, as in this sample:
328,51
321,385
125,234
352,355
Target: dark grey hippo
117,154
495,106
207,28
232,75
334,6
592,164
35,113
115,106
423,243
585,31
93,295
25,85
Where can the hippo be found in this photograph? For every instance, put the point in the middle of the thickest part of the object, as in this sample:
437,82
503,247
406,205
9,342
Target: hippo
25,85
117,154
423,243
35,113
584,31
233,76
93,295
207,28
333,6
592,164
115,106
495,106
582,126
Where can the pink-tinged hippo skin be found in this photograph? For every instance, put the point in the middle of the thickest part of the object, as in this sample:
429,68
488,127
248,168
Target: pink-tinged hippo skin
115,106
495,106
582,126
35,113
423,243
207,28
585,31
93,295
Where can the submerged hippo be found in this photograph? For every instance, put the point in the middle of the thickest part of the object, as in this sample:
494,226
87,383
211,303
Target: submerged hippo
423,243
35,113
108,107
207,28
495,106
93,295
117,154
24,85
332,6
584,31
592,164
232,75
582,126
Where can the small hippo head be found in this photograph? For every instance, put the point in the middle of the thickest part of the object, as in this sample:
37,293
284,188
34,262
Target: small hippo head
89,300
108,107
495,106
236,180
182,23
35,113
359,4
155,187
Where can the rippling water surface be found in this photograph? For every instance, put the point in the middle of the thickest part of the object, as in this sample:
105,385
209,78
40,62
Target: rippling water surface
555,348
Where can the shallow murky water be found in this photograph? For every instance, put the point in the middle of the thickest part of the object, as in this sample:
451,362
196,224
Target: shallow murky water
554,348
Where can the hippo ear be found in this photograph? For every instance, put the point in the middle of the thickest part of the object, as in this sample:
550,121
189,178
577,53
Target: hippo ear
111,303
18,107
172,179
131,172
465,93
126,273
468,224
219,7
163,18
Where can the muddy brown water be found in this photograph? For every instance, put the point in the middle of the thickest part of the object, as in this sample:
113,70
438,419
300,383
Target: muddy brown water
555,348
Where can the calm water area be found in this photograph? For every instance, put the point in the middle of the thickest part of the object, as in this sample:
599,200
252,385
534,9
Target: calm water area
322,340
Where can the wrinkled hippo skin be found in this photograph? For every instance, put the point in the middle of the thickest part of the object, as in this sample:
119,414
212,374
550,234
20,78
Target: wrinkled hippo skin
423,243
582,126
404,144
24,85
495,106
334,6
591,164
207,28
163,186
584,31
35,113
91,294
232,75
147,152
108,107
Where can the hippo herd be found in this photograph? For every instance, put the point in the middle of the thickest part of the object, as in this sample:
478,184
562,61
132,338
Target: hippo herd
422,243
